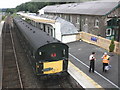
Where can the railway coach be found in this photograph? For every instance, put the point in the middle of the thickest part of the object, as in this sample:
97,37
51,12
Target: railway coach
47,54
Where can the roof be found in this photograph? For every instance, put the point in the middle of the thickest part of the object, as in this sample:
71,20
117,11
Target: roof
66,27
101,7
36,37
36,18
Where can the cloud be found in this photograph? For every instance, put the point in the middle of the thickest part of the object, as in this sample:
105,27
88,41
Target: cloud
11,3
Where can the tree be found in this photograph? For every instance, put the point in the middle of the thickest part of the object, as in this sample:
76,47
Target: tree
112,46
33,7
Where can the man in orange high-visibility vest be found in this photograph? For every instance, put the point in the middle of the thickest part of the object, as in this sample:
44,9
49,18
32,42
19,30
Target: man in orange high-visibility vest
105,61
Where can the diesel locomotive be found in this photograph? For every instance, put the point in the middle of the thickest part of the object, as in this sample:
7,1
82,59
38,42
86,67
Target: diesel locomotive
47,54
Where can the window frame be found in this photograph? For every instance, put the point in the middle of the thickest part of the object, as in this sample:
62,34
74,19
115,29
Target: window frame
107,32
78,20
70,18
96,23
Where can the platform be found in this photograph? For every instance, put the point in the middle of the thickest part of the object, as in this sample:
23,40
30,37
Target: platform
79,64
84,80
79,54
1,25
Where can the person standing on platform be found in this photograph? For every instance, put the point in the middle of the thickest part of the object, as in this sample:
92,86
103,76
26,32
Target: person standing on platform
92,62
105,60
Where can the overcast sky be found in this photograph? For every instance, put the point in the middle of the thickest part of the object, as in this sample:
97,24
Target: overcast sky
11,3
14,3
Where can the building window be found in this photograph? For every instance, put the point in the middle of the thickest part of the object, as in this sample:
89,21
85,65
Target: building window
108,32
84,21
60,15
70,18
77,20
65,17
96,24
57,15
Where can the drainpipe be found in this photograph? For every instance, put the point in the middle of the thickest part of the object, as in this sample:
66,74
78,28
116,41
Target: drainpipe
118,31
80,22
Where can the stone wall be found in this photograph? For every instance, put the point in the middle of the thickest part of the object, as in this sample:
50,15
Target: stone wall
99,41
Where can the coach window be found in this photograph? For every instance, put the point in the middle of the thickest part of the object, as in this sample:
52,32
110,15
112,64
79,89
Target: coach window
48,30
54,32
51,32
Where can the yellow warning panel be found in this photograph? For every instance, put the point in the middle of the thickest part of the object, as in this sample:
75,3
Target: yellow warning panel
52,67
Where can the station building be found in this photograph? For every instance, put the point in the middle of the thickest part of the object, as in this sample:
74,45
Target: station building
55,26
90,17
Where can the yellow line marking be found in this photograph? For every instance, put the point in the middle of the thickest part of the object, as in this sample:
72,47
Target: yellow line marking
40,20
85,76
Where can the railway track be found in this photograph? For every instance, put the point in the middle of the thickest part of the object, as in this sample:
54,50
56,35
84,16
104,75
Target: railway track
11,71
18,73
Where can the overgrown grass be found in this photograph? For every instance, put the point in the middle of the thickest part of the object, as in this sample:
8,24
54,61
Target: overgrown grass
14,15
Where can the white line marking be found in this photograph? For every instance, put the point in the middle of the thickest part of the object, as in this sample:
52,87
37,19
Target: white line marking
95,71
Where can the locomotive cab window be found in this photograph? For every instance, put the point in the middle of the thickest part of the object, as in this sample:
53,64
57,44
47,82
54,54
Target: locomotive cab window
40,53
63,52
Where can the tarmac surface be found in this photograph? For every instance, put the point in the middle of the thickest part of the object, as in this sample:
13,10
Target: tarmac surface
79,56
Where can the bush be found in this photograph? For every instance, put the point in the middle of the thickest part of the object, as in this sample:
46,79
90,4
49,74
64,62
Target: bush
112,46
3,17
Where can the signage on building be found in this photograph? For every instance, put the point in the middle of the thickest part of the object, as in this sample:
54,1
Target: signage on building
94,39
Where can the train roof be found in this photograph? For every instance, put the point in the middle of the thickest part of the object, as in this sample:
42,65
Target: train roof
35,36
48,19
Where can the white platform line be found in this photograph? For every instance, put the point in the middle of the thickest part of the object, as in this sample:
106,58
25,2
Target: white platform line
95,71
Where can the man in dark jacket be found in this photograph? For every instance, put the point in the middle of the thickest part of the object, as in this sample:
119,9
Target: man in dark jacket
92,62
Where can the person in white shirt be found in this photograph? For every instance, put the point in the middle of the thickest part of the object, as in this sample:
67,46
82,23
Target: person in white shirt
92,62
